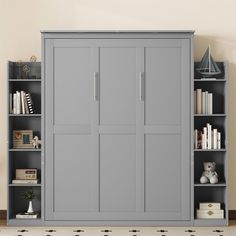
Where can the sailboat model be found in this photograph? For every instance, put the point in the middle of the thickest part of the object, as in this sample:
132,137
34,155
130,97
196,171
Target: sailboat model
208,66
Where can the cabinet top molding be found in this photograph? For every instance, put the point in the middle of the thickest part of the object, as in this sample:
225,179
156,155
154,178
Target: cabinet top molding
119,31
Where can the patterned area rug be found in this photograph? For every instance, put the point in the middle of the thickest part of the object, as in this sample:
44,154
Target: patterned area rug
117,231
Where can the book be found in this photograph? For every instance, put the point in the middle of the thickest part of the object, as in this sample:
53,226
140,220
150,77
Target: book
14,103
215,138
196,139
26,105
218,140
23,215
10,104
203,102
29,103
208,78
206,101
195,102
18,103
24,181
22,102
209,144
204,138
210,105
199,101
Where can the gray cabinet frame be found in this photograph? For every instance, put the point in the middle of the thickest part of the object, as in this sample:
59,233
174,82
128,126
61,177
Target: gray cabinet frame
132,39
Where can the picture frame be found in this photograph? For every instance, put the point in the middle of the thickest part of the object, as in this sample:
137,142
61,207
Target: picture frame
22,138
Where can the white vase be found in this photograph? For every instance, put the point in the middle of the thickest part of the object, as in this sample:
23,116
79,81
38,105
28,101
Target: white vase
30,208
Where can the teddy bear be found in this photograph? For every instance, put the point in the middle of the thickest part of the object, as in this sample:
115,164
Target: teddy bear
209,174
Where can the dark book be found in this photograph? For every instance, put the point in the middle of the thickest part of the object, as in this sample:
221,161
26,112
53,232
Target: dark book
29,103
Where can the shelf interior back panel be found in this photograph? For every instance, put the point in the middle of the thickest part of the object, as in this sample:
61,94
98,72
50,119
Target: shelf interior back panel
34,88
218,91
209,194
24,160
217,157
17,70
19,204
24,123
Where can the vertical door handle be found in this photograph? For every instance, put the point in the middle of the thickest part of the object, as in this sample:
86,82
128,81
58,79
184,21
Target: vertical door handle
141,86
95,85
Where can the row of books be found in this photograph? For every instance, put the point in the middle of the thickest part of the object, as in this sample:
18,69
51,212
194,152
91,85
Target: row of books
203,102
20,102
207,138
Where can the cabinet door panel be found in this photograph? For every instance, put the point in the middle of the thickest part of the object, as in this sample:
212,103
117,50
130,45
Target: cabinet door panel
163,86
117,85
72,173
117,173
162,173
167,118
72,85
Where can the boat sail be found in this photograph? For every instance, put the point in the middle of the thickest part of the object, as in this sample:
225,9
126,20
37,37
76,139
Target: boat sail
208,66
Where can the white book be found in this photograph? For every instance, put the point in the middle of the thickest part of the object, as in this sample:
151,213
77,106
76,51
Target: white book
10,104
196,139
199,101
206,101
24,181
209,146
210,103
203,102
22,102
218,140
18,103
208,78
195,102
205,138
14,103
26,216
215,138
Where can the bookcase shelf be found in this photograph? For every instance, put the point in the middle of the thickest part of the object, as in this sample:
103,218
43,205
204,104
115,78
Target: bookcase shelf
215,193
24,185
24,115
24,80
197,184
210,150
211,115
24,150
209,80
24,158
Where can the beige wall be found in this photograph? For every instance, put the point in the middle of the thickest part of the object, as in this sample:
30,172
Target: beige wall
21,21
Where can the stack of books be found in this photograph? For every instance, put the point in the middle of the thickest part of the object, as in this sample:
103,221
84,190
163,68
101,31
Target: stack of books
20,102
203,102
207,138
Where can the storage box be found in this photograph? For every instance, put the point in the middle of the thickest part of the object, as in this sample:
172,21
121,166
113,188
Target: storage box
26,173
210,214
209,206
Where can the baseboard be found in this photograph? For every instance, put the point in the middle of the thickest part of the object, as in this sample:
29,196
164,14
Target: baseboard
3,214
232,214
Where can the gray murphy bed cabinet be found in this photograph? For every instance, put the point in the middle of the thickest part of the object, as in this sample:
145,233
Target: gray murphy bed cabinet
118,125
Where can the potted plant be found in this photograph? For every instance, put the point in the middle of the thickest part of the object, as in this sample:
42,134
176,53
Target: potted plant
29,195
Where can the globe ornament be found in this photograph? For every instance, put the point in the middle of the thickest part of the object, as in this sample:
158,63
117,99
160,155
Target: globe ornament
33,59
